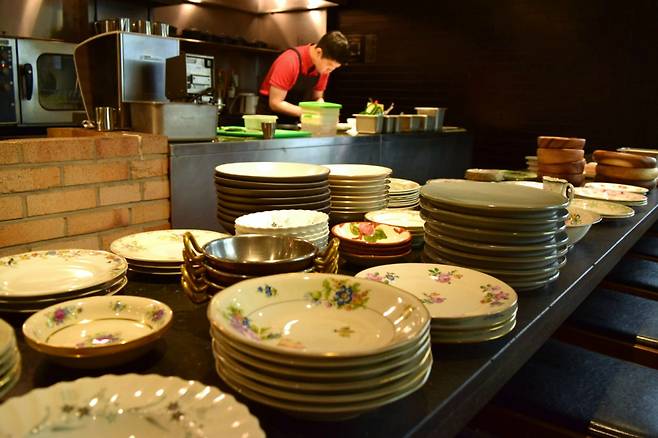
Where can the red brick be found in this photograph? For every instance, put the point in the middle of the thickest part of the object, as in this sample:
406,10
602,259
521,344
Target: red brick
162,226
156,189
148,168
155,144
120,194
57,149
26,179
117,146
83,242
89,222
26,231
61,200
152,211
11,207
10,152
98,172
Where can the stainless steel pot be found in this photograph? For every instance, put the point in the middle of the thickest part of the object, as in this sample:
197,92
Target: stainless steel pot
112,25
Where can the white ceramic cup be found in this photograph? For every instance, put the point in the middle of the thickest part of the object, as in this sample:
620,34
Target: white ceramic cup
561,186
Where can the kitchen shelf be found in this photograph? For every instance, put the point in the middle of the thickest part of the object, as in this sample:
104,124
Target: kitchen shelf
237,47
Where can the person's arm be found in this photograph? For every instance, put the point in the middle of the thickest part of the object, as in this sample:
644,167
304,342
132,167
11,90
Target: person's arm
278,103
318,95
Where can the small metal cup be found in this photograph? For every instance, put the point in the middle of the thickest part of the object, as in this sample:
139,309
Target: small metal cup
105,118
268,129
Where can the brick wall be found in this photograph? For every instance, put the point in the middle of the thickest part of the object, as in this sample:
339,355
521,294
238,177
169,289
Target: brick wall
81,189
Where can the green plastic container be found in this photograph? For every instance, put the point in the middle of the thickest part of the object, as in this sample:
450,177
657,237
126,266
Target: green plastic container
320,118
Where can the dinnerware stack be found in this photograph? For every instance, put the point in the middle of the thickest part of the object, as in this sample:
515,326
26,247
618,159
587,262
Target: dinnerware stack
34,280
607,210
158,252
515,233
320,346
532,163
10,358
624,197
304,224
357,189
128,405
249,187
97,331
403,193
223,262
410,220
466,306
370,243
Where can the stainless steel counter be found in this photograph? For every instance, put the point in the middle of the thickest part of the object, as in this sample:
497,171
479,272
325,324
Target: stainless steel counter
415,156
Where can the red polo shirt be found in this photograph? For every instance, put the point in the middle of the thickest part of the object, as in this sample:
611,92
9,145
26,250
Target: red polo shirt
285,69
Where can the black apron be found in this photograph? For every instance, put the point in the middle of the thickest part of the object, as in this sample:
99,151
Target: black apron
302,91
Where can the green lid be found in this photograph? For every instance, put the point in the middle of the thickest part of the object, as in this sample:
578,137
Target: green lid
320,105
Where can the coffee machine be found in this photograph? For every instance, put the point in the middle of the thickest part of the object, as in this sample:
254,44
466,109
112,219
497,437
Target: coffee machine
128,71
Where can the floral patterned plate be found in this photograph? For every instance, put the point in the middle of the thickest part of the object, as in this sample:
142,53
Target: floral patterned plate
370,233
408,219
616,187
7,338
115,329
159,246
131,404
607,210
318,315
609,195
399,185
472,338
41,273
449,292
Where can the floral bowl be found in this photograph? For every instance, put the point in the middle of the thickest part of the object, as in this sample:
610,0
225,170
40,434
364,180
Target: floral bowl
318,315
579,222
97,331
371,233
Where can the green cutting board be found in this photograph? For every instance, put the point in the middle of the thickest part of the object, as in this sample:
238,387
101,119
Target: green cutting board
241,131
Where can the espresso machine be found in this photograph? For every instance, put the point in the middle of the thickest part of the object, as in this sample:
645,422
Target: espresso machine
128,72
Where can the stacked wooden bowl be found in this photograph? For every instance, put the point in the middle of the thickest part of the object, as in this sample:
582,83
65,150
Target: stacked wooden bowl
625,168
561,157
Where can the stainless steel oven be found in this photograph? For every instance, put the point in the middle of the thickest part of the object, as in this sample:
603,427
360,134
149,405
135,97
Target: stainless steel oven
38,84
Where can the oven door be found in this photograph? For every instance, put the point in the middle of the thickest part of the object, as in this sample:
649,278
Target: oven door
49,93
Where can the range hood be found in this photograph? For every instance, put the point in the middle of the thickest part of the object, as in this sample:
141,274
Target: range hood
270,6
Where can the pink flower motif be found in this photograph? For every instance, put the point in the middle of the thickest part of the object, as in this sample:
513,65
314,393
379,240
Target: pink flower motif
444,277
367,228
374,276
59,315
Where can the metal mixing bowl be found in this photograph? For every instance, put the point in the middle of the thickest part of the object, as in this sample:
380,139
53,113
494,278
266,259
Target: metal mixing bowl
255,254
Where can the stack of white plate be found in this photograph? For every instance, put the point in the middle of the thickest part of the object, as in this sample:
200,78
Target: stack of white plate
34,280
410,220
531,162
403,193
512,232
321,346
357,189
244,188
158,252
466,306
305,224
603,193
128,405
10,358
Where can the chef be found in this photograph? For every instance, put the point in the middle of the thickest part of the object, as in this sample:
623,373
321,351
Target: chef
300,74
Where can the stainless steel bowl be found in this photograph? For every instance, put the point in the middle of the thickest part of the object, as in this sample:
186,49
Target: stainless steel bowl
255,254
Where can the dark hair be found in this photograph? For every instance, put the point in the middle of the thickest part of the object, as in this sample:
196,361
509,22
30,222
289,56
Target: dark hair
334,46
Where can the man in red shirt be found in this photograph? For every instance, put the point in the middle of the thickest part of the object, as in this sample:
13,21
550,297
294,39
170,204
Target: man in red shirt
300,74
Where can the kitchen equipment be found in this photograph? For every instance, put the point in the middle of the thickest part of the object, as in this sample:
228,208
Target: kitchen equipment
246,102
434,115
105,118
142,26
391,124
241,131
38,83
320,118
180,121
112,25
118,68
189,76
